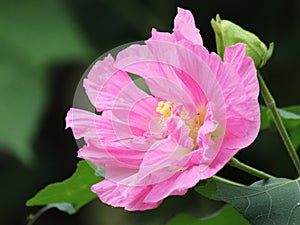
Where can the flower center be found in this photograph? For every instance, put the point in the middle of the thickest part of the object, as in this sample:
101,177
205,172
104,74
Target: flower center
194,124
164,108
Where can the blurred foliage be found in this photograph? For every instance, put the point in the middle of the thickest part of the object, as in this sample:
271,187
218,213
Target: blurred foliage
45,46
219,218
33,35
75,190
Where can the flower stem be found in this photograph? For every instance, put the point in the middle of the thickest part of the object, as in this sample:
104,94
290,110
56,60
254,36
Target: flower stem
255,172
32,218
227,181
271,104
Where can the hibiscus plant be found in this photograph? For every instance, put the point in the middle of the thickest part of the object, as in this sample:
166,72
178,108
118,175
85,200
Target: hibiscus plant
167,115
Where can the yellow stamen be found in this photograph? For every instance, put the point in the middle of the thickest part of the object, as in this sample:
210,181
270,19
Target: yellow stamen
194,124
164,108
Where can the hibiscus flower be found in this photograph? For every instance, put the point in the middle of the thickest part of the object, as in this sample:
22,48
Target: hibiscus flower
199,112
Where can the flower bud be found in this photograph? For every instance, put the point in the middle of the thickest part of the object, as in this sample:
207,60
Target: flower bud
228,33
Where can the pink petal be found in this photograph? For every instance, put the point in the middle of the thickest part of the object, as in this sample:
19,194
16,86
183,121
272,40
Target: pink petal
161,79
244,116
143,116
184,32
185,28
104,83
176,185
131,198
103,140
179,132
165,80
83,123
224,155
195,69
160,162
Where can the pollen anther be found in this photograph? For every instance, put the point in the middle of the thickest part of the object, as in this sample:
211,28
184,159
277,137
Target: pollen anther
164,108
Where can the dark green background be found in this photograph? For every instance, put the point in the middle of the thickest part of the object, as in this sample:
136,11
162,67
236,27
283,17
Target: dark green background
103,25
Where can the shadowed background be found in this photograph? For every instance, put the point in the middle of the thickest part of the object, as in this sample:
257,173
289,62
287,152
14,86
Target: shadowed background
45,47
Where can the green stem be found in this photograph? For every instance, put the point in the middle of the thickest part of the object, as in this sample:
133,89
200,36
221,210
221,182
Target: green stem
32,218
271,104
255,172
227,181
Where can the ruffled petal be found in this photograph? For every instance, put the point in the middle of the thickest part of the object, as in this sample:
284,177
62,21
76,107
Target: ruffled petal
240,89
179,132
185,31
107,144
247,113
162,80
143,118
83,124
185,28
224,155
176,185
158,164
243,114
105,83
131,198
195,69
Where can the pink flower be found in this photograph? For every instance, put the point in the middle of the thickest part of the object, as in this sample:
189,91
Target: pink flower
201,112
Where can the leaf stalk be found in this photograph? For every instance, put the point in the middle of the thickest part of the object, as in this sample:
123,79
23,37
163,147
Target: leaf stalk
271,104
248,169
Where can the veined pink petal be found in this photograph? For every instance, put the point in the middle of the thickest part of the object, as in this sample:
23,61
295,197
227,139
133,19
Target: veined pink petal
153,194
185,175
105,83
179,132
82,123
196,69
157,164
176,185
247,113
102,158
242,109
224,155
144,120
243,117
185,28
96,129
161,79
102,136
131,198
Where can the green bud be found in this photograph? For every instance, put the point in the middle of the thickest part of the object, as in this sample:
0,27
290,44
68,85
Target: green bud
228,33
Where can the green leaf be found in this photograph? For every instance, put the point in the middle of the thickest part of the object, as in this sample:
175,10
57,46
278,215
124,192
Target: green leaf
295,137
207,188
140,83
33,36
275,201
64,207
223,217
74,191
290,117
265,118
